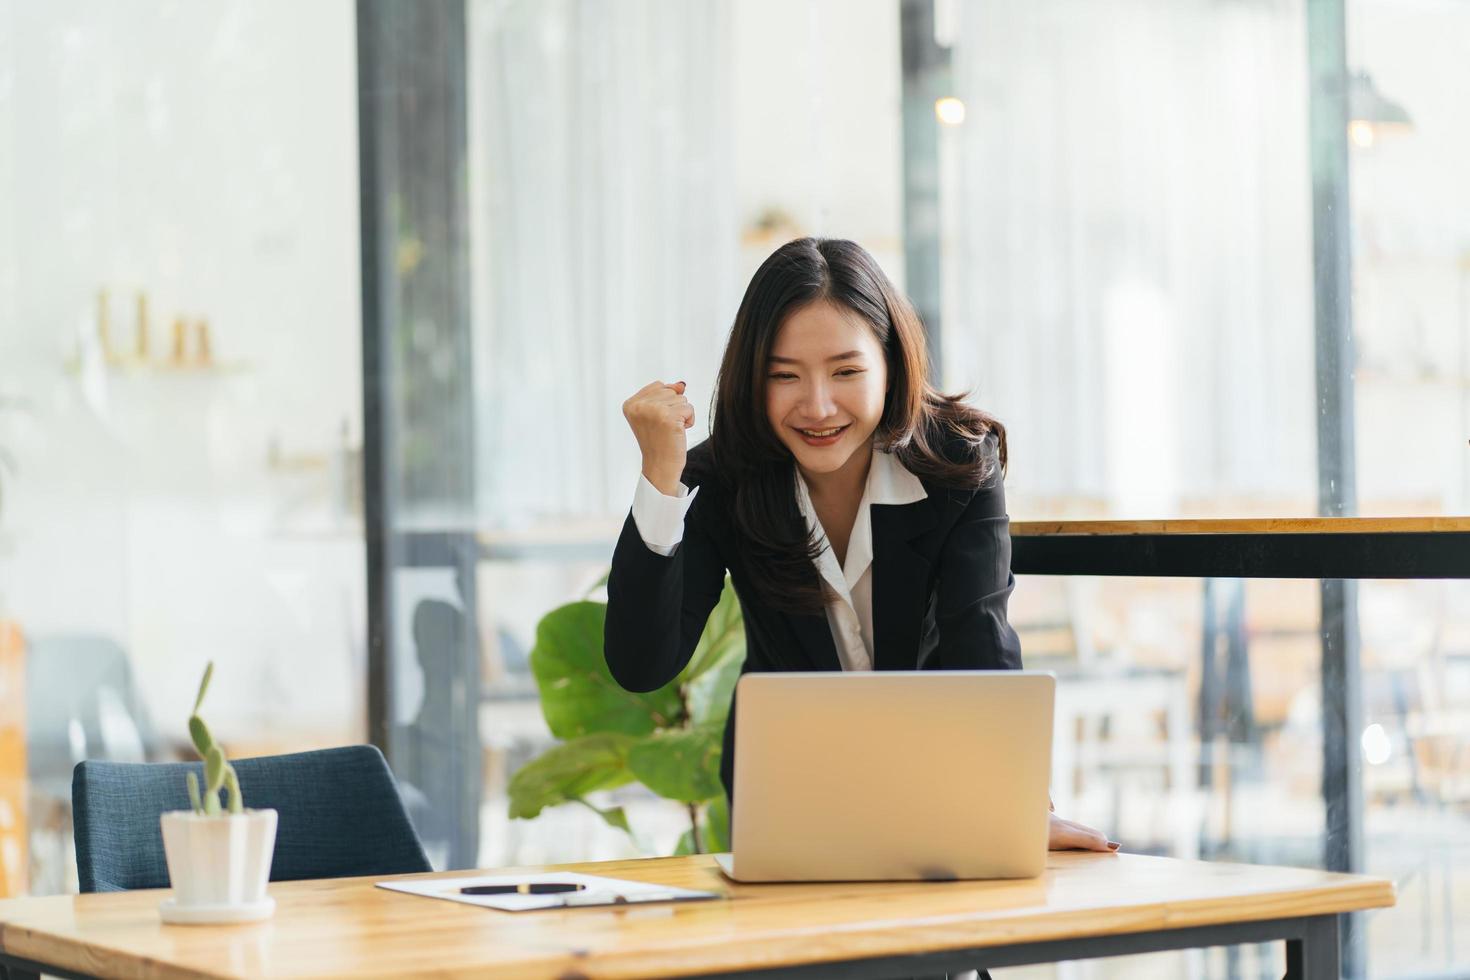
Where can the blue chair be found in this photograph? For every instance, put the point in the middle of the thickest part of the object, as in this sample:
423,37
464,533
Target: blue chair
339,815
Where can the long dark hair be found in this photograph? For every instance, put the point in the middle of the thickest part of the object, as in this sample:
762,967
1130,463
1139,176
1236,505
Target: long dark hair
936,436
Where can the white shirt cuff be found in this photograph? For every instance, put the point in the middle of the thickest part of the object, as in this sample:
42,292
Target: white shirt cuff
660,518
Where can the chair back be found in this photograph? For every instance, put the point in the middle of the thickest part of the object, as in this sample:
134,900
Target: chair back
339,814
81,703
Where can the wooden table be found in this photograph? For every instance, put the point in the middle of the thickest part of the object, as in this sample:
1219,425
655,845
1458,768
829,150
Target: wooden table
1084,905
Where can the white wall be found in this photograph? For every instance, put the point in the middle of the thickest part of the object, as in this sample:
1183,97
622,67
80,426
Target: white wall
205,154
818,123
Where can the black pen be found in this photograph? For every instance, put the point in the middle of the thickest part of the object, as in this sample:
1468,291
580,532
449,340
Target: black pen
524,888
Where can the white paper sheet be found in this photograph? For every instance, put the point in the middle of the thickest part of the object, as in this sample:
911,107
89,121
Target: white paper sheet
599,891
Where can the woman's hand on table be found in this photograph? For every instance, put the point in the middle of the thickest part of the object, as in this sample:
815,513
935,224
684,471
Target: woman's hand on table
1066,835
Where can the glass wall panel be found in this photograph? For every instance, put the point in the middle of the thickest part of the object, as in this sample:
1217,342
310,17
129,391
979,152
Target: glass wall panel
1128,254
180,386
562,201
630,166
1189,723
1126,279
1411,254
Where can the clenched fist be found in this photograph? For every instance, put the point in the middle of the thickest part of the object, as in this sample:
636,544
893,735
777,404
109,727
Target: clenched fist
658,414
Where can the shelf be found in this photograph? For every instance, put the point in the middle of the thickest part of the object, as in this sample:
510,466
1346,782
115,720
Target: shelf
164,369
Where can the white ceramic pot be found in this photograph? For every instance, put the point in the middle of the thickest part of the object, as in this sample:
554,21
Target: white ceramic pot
218,865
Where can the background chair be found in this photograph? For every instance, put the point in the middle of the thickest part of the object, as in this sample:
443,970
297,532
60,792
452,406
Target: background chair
339,815
81,703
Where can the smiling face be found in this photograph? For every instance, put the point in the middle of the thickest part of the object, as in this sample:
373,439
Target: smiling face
825,385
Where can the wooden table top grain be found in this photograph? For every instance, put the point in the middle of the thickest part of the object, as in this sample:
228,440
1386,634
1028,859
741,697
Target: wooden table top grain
347,927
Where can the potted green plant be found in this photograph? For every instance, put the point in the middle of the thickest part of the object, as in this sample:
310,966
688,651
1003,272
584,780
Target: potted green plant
219,857
669,739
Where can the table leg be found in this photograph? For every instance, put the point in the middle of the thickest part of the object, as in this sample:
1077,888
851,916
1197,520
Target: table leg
17,968
1315,956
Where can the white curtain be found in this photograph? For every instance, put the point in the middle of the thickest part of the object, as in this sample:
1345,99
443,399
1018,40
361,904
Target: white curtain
1129,255
604,237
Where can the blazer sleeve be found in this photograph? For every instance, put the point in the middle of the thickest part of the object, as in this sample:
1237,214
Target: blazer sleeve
657,605
974,586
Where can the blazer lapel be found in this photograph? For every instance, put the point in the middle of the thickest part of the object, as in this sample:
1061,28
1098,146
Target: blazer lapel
900,580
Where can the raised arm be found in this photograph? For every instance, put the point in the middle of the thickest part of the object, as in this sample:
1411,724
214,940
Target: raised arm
667,572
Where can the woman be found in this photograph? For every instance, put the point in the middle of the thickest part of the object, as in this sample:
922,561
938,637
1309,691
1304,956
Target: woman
859,511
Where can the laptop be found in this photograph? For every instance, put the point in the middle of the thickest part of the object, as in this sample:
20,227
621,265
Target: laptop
891,775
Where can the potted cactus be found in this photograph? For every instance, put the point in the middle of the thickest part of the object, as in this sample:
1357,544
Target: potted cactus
219,857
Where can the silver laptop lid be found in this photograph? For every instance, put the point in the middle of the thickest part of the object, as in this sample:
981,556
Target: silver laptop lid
892,775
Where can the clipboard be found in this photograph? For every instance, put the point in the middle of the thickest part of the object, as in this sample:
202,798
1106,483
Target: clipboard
596,892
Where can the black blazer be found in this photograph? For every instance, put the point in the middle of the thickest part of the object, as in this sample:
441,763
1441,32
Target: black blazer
941,580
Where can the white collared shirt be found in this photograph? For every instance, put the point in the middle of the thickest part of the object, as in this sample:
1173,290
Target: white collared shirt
660,521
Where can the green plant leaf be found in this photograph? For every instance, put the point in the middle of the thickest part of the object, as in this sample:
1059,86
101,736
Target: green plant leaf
614,736
232,787
714,829
709,695
214,773
723,636
203,686
681,765
195,802
578,695
199,734
614,815
568,772
717,824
